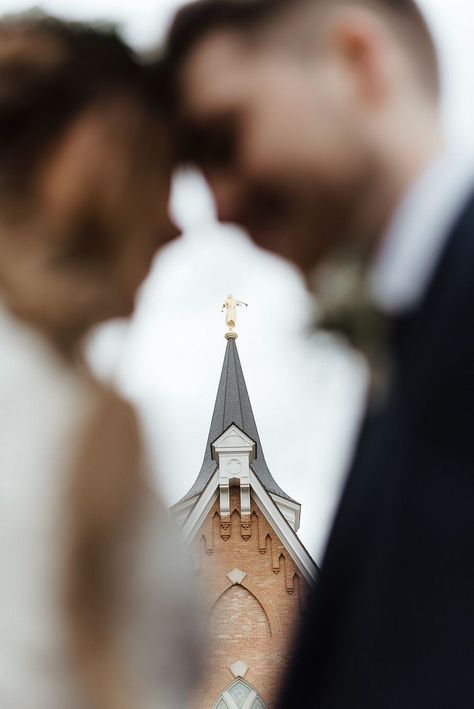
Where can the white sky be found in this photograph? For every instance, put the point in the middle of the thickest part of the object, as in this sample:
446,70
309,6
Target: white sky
306,394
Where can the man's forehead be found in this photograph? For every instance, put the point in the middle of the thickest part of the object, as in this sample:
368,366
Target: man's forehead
215,74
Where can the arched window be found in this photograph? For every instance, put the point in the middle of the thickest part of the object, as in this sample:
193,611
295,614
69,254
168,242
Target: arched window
239,695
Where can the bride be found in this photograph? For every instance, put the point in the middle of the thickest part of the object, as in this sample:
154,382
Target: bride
95,611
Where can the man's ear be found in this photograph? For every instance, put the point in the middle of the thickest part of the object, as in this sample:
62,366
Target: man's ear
365,47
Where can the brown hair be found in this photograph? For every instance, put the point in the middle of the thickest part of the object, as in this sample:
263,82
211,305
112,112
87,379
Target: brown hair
50,71
203,17
108,489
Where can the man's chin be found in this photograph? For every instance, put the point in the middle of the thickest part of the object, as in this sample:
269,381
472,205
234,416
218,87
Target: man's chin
270,239
281,243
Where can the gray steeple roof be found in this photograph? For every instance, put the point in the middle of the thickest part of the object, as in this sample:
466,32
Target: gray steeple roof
233,407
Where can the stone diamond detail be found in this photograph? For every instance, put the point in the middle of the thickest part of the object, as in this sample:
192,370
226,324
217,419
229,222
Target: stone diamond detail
236,577
239,669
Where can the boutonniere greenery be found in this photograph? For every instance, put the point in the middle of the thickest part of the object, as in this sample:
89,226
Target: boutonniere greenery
344,307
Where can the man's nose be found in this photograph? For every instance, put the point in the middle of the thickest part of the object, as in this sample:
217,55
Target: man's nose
167,231
227,193
172,231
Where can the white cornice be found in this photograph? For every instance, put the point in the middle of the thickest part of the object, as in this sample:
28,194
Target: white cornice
201,509
180,511
290,510
288,537
233,440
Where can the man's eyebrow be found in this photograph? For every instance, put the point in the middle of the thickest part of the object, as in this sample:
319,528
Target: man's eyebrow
219,124
211,141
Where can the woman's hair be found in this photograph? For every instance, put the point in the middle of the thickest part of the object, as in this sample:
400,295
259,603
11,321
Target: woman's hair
106,499
50,72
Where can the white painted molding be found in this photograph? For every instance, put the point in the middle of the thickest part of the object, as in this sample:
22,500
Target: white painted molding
201,509
234,440
290,510
233,451
232,704
202,504
287,535
180,512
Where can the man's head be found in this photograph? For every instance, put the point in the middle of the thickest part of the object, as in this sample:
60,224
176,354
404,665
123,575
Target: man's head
308,117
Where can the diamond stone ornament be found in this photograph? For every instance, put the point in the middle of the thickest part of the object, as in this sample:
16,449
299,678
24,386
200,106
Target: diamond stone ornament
236,576
239,669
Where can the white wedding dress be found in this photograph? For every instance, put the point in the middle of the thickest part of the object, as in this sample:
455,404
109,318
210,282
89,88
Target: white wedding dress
43,403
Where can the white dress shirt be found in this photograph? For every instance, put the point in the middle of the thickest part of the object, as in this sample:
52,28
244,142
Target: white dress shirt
413,245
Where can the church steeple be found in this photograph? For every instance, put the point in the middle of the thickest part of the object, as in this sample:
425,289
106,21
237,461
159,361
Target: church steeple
240,529
233,407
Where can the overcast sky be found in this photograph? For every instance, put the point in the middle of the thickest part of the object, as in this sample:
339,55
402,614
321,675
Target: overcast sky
306,393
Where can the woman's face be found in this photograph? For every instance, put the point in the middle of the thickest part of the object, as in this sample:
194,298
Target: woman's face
98,217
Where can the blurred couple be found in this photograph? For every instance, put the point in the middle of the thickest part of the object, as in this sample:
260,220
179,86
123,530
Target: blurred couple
317,127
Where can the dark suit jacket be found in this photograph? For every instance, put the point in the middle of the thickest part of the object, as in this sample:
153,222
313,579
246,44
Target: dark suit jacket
391,624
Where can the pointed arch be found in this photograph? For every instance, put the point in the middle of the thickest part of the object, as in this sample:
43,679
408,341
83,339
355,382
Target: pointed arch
240,695
239,610
234,497
216,527
259,533
235,524
297,587
262,598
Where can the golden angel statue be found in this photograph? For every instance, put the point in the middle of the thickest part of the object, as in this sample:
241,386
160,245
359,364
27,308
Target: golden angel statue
230,306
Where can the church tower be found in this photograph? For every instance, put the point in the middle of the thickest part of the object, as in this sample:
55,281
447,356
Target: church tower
254,571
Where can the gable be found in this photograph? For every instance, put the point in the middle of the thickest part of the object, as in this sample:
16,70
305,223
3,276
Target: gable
233,439
207,506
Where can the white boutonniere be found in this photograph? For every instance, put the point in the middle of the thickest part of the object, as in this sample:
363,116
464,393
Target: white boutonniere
344,307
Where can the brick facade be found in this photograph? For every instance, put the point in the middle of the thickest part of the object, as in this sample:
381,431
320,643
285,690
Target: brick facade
253,620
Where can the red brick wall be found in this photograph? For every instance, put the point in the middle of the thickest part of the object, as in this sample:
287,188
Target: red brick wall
253,622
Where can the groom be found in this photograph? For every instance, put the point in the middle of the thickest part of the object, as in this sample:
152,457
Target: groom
316,124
